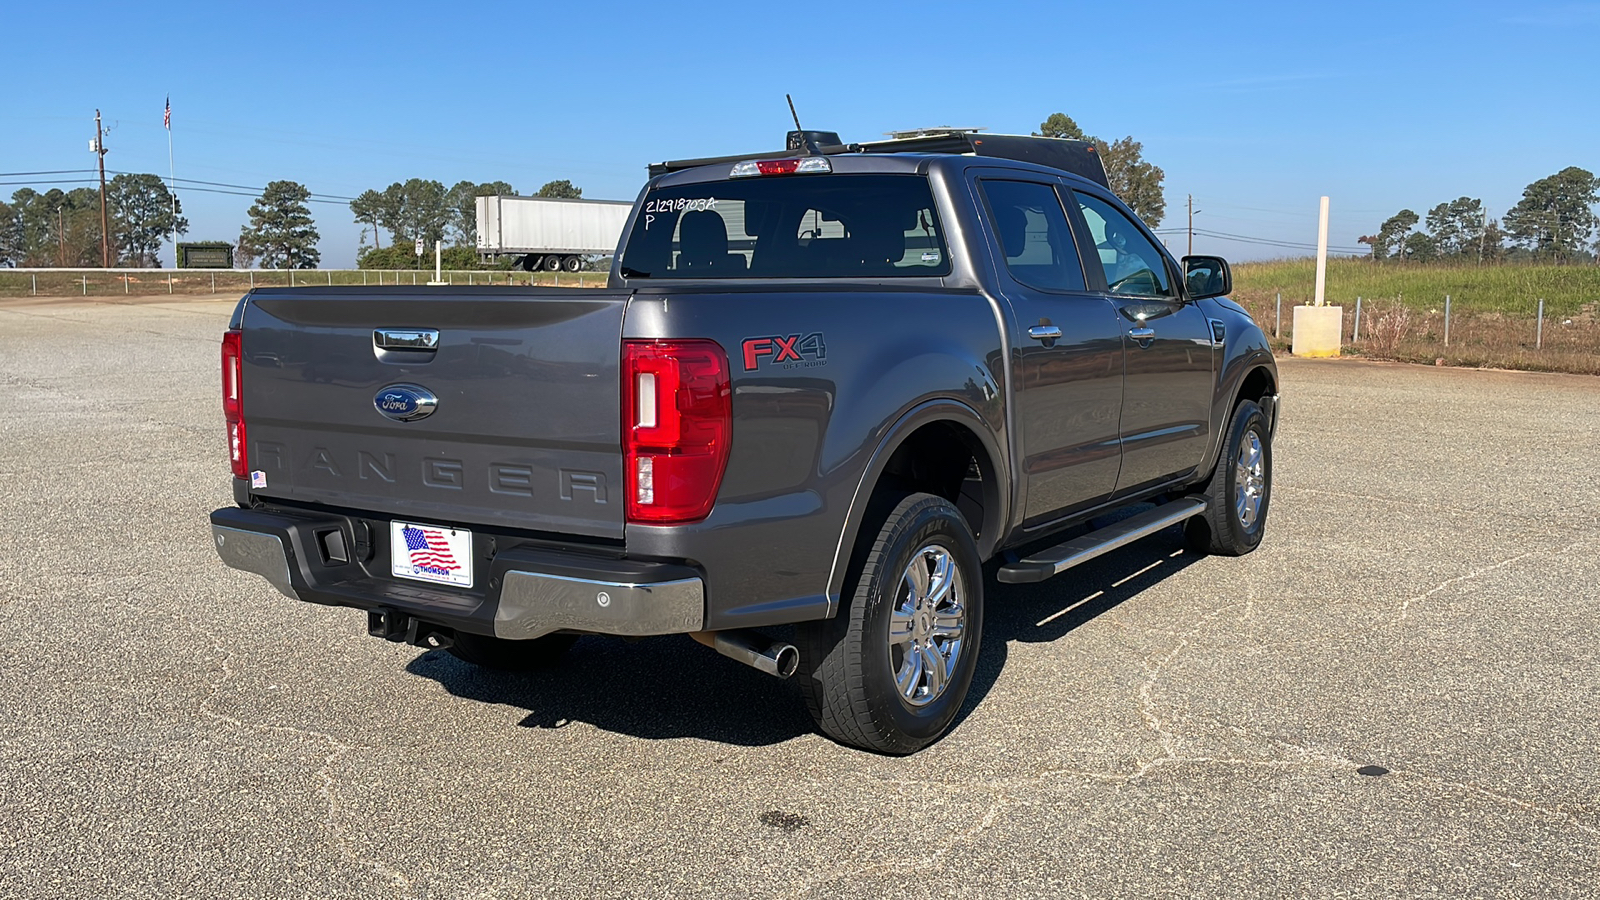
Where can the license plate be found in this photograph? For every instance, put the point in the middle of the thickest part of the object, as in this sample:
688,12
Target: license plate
431,553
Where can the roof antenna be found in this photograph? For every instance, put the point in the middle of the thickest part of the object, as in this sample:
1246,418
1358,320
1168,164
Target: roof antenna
793,113
808,142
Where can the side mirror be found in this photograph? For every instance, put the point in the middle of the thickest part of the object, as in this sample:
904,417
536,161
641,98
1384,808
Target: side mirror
1207,276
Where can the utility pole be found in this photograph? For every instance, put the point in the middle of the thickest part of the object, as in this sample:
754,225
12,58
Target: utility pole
100,154
61,236
1192,211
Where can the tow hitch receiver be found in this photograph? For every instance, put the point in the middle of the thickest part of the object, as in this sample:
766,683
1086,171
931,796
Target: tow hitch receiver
393,625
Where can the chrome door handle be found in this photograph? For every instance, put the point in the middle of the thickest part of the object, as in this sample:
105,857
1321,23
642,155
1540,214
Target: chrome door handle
1141,334
1045,332
405,338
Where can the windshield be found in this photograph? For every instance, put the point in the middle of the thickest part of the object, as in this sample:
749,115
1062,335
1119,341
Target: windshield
797,226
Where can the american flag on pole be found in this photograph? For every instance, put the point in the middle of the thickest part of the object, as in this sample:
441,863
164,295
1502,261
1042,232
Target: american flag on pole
166,118
428,548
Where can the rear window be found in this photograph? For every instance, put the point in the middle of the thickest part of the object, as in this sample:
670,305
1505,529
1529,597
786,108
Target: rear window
796,226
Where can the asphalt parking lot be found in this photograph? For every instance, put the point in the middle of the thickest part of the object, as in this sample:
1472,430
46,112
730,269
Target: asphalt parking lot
1153,724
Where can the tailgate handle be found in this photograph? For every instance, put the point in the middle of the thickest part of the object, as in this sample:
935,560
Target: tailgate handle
426,339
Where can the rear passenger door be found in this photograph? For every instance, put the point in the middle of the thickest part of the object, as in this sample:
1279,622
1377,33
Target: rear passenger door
1166,406
1066,350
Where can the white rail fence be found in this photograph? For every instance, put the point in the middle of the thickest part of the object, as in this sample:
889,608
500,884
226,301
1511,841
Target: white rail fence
99,282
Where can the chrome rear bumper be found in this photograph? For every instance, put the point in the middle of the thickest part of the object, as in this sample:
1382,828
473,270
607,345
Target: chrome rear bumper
523,591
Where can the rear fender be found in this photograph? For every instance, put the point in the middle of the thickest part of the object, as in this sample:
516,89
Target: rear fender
996,472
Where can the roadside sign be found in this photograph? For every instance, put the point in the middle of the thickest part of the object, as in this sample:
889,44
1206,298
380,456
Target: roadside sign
419,246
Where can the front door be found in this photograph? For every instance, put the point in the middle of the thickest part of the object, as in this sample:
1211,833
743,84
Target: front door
1066,353
1166,406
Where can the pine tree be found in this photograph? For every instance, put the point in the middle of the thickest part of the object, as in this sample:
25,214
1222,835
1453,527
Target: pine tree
1554,218
281,233
143,215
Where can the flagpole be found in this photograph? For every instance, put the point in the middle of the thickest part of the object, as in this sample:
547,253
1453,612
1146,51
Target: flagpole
172,187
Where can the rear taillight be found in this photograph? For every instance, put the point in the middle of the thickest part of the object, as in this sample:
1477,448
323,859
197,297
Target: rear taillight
677,422
233,402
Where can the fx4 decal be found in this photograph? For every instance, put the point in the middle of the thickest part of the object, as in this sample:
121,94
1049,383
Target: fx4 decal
792,352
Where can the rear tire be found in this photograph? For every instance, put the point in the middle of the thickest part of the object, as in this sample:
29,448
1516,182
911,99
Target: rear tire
1239,491
890,672
573,263
512,656
552,263
531,263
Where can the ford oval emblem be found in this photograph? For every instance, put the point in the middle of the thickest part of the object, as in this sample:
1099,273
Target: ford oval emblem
405,402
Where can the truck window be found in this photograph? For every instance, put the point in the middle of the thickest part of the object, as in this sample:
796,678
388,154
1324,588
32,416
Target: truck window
1132,264
797,226
1033,234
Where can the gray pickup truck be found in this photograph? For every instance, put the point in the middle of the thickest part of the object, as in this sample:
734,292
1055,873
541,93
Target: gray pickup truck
821,388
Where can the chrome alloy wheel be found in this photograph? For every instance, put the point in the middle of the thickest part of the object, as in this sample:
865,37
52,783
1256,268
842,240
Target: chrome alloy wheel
928,624
1249,480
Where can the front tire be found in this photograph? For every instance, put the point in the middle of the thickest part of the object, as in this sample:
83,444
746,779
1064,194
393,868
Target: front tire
890,672
573,263
1240,489
511,656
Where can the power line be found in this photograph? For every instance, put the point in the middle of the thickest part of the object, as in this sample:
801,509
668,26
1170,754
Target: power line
54,181
242,187
50,172
190,184
1250,239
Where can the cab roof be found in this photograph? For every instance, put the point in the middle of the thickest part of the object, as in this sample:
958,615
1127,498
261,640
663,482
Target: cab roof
1073,157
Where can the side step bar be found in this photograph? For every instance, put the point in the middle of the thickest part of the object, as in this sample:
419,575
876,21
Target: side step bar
1058,559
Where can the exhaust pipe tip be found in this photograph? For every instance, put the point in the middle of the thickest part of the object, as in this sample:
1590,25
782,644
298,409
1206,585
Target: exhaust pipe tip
786,659
775,658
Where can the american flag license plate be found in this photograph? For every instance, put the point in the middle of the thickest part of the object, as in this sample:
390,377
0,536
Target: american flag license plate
431,553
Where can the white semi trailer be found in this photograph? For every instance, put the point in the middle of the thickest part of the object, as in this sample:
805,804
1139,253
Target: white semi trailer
549,234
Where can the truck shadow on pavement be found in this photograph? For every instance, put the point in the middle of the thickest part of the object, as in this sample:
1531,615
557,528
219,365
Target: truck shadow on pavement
1049,610
672,687
657,688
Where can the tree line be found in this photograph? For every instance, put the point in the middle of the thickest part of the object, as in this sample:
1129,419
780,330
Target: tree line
281,233
1553,222
62,228
427,210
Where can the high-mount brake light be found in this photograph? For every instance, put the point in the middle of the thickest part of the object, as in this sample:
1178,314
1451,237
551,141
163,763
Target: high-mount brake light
804,166
233,401
677,422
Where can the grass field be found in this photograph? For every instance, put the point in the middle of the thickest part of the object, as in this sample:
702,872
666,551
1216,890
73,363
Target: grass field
1493,320
1511,290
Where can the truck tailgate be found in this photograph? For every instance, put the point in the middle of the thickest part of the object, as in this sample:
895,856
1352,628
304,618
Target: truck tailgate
526,432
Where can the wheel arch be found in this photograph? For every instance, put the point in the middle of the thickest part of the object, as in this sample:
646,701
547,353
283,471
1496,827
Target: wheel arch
1260,381
916,453
1250,375
1260,385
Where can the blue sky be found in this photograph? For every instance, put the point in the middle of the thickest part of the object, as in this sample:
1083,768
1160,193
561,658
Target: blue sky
1256,109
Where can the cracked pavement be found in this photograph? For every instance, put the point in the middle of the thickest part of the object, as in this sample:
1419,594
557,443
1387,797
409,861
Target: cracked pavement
1427,600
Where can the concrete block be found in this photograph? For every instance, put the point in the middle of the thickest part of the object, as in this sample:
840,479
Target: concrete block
1318,330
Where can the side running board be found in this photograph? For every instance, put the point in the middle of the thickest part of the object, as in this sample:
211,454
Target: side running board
1058,559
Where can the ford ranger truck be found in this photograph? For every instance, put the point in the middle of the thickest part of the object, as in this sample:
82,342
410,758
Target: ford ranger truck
820,389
